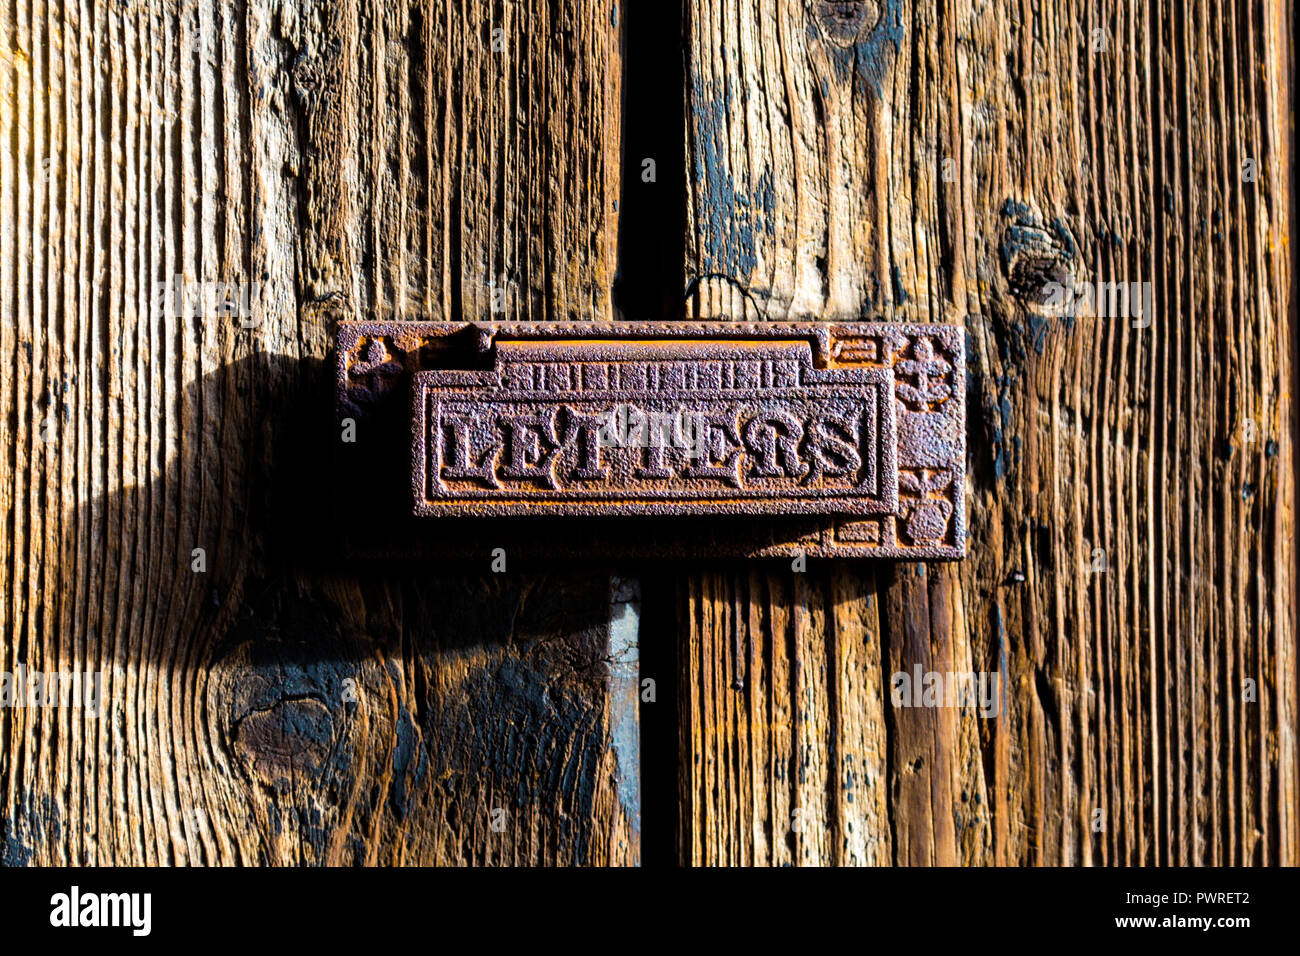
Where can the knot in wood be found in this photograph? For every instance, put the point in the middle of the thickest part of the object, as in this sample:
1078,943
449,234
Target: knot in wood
845,22
288,740
1039,260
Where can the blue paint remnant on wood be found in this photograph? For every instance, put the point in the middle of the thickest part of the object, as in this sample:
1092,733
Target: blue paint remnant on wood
900,295
1025,237
1066,238
734,211
1015,209
875,52
17,834
1002,460
1039,326
731,215
13,852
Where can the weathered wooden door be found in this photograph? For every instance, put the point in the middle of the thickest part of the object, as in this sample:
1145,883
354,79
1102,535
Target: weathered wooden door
171,482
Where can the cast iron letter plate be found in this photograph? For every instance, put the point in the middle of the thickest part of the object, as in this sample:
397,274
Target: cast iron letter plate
860,424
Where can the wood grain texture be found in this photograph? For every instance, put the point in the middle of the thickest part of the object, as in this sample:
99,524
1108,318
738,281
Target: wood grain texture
283,706
774,770
460,160
1017,146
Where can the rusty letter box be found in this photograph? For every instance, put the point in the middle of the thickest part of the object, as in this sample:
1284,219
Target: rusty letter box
857,427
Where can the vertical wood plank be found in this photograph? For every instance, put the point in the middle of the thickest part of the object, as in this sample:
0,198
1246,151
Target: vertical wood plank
809,127
1132,508
781,720
1142,467
279,705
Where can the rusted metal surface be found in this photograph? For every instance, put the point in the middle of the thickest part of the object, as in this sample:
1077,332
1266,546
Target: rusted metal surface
659,428
858,427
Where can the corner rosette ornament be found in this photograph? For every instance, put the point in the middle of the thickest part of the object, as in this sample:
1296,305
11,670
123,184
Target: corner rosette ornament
370,374
845,22
928,371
